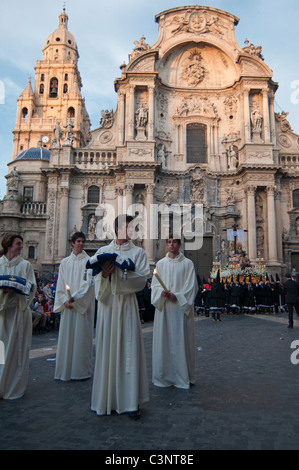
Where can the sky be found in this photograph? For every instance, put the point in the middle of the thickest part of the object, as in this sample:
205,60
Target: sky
105,32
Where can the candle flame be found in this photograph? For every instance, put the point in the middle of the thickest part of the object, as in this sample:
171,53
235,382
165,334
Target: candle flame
67,287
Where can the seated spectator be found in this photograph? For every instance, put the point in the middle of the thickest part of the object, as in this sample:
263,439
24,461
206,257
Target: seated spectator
38,314
48,293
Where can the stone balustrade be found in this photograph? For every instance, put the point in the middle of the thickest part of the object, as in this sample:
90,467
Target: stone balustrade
34,208
92,159
289,161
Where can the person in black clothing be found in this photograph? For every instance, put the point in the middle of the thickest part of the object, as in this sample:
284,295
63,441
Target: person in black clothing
291,289
149,313
217,298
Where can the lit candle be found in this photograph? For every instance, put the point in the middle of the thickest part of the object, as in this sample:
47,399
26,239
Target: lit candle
68,292
160,280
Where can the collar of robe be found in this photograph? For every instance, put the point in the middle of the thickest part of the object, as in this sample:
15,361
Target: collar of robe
13,262
124,246
180,257
81,255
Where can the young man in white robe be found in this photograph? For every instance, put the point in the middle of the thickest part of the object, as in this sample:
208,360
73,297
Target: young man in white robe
15,318
120,382
74,299
173,352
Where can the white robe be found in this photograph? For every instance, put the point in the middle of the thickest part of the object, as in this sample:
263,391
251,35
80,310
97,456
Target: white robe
173,336
74,348
120,379
15,329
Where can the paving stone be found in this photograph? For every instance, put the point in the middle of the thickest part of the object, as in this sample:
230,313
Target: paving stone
245,397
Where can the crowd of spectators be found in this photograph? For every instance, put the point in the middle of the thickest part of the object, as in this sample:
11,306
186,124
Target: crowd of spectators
43,317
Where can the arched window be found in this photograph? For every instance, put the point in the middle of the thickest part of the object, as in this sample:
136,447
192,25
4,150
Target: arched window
296,199
196,143
93,195
53,88
41,89
71,112
65,88
24,113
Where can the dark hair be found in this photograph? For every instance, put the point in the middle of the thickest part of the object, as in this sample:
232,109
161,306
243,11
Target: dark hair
8,240
173,238
288,275
121,219
77,235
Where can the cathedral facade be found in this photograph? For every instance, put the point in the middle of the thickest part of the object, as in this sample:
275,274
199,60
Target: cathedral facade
194,125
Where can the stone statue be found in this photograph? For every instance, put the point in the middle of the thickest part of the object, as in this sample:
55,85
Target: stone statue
256,119
14,180
141,116
161,156
57,132
69,135
107,119
232,157
92,228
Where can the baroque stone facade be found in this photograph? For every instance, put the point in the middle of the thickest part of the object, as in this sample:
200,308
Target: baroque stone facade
194,124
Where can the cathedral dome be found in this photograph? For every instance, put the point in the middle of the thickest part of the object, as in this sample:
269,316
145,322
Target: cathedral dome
61,41
34,153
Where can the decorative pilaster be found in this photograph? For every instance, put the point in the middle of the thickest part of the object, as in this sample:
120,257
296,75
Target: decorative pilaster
151,114
251,223
247,125
272,234
63,222
277,197
266,117
121,119
149,243
130,130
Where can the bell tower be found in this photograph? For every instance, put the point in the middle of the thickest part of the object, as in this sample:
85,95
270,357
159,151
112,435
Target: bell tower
56,95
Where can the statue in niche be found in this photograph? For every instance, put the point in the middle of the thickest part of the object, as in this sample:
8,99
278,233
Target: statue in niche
297,227
256,119
92,227
233,159
161,156
141,116
57,132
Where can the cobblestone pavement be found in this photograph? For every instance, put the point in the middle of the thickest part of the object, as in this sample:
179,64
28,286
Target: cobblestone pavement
245,397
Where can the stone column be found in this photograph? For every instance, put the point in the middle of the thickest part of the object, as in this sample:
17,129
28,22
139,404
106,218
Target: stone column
272,235
121,119
63,222
149,243
279,226
129,188
266,117
151,114
131,123
247,124
251,222
272,119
